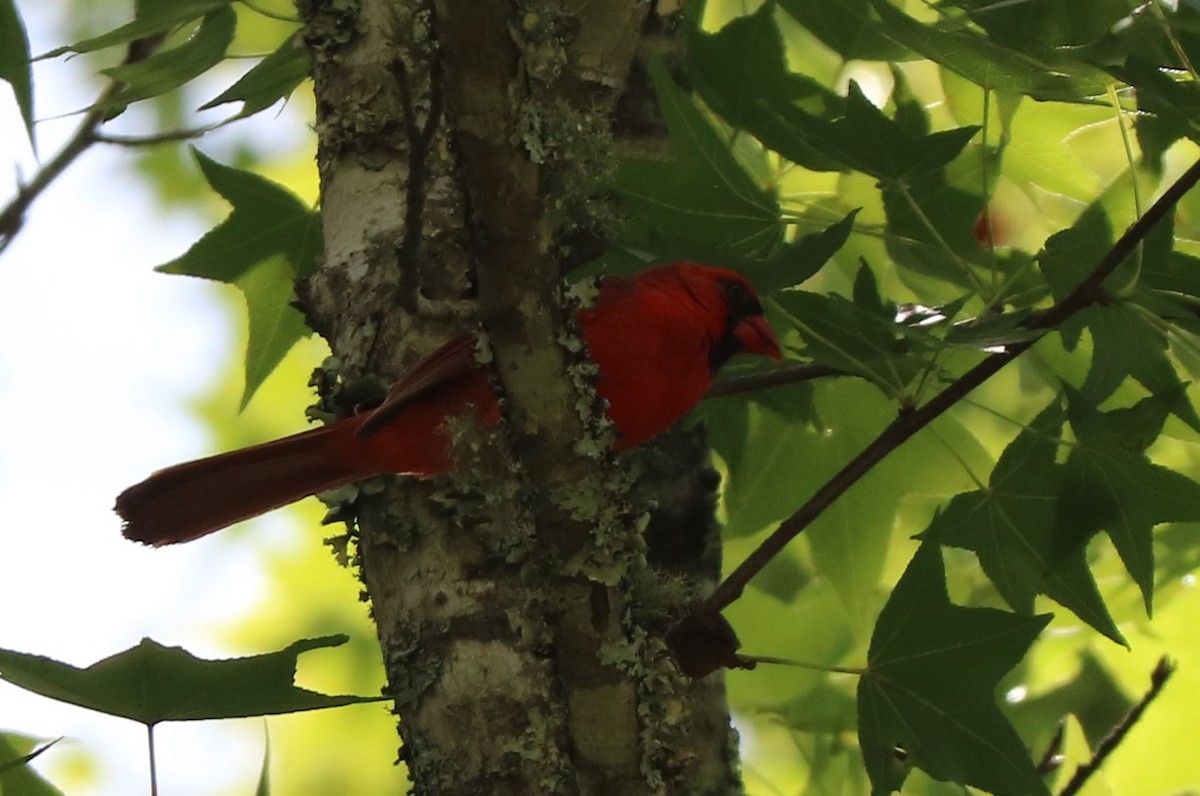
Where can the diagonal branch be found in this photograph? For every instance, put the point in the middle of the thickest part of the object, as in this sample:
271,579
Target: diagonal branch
909,423
1158,678
12,217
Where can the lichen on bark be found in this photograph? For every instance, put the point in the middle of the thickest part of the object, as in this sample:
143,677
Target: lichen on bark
519,618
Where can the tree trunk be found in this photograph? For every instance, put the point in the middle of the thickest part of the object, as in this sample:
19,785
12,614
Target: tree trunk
520,610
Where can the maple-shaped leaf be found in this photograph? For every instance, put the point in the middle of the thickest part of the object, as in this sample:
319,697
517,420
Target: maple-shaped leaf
1111,485
866,140
703,194
1126,341
930,682
151,683
267,220
170,68
272,79
269,240
859,336
1013,527
741,72
985,63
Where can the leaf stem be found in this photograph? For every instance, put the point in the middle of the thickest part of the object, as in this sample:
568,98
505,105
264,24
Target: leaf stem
153,764
909,423
817,667
941,242
167,136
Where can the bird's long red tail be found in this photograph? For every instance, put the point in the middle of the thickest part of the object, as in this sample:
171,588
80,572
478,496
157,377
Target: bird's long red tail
189,500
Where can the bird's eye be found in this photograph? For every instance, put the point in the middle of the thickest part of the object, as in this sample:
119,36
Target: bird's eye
736,292
740,300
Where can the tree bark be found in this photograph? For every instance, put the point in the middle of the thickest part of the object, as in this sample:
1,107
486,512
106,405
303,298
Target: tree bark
519,615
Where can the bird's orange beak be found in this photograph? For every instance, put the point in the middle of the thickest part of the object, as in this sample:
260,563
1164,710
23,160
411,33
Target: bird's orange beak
757,337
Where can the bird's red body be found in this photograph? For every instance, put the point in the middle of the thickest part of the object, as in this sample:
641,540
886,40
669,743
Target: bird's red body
657,339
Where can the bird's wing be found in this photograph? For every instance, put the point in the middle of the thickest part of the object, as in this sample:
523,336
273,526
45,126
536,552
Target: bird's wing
455,357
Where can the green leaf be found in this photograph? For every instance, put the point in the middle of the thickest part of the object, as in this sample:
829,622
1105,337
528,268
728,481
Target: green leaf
930,220
168,69
1126,340
703,194
860,336
267,219
275,325
272,79
152,17
264,777
1050,23
16,776
14,61
741,72
1111,485
1013,527
269,240
1173,103
929,687
847,27
987,64
151,683
799,260
866,140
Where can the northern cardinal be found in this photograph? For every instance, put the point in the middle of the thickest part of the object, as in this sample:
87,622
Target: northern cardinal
657,339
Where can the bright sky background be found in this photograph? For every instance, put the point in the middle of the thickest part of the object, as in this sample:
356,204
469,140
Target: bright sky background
98,357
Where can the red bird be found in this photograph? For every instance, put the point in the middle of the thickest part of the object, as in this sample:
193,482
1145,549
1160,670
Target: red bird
657,339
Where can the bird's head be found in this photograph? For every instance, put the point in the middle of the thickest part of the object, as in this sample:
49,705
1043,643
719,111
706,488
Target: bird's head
730,299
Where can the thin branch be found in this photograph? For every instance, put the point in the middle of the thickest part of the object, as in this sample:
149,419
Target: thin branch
816,667
790,374
12,217
909,423
1158,678
165,137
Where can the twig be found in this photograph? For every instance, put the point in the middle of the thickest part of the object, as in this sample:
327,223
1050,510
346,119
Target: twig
167,136
789,374
1158,678
12,217
909,423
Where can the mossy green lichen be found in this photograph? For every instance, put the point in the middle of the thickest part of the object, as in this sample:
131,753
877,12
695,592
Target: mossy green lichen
412,664
329,25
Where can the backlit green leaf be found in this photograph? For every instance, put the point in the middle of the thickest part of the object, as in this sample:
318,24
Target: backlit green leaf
169,69
275,325
986,64
14,61
1112,486
16,776
151,683
269,240
272,79
152,17
929,687
1013,527
703,194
